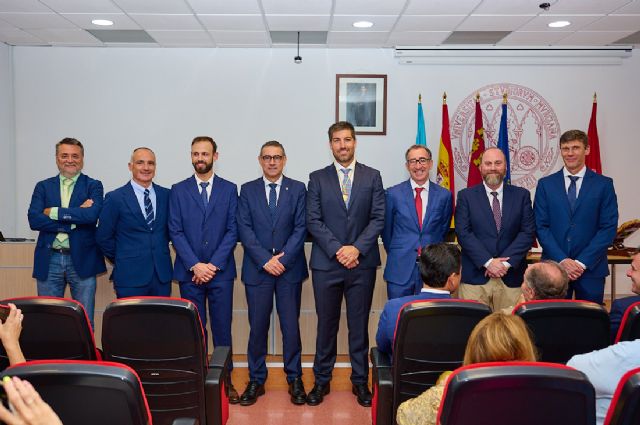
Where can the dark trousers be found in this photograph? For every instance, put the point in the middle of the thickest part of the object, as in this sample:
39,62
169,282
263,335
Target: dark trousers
154,288
260,304
587,289
404,289
329,288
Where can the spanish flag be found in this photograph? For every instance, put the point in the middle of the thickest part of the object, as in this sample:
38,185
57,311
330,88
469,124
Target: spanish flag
444,173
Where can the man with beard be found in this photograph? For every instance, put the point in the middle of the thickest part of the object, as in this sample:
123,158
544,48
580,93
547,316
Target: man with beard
495,228
202,226
345,215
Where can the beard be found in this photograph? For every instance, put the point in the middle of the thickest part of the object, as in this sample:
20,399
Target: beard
205,170
493,179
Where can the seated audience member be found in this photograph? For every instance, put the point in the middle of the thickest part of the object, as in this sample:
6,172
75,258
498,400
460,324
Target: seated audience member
545,280
620,306
604,368
497,338
28,408
10,335
440,273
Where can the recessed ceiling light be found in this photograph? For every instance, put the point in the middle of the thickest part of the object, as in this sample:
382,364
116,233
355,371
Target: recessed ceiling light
102,22
559,24
363,24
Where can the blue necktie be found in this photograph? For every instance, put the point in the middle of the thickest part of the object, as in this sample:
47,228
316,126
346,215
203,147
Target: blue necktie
273,200
149,216
203,194
572,192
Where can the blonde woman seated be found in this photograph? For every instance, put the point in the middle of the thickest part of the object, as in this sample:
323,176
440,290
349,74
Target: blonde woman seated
497,338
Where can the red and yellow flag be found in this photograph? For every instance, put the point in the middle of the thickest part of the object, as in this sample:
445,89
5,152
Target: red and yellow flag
477,148
444,173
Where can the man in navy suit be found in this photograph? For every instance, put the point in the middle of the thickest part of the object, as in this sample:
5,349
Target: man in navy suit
440,274
495,228
133,231
619,307
65,209
417,213
345,215
576,219
272,229
202,227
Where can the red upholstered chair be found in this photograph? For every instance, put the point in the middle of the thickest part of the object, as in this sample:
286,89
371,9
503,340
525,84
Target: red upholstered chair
85,392
625,405
564,328
161,338
523,393
430,338
629,329
53,328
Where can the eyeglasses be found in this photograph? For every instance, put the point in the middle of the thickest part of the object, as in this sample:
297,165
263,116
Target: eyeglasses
421,161
268,158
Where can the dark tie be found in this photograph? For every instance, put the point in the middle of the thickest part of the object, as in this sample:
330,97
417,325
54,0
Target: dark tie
273,200
419,205
497,214
572,192
203,194
149,216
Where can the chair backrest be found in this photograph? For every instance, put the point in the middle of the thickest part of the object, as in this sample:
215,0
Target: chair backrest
523,393
625,404
161,338
84,392
629,329
53,328
564,328
430,338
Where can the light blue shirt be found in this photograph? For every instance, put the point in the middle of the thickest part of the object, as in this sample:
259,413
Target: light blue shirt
267,188
139,191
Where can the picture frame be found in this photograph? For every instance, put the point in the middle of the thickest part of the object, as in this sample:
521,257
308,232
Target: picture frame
361,99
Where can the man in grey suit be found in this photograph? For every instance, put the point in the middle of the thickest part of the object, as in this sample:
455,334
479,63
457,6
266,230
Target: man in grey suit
345,215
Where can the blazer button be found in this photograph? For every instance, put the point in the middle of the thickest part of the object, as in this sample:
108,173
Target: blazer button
206,242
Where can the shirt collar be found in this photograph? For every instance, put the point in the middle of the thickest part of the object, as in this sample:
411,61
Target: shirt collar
140,188
435,291
74,178
210,181
351,166
414,185
267,182
580,173
489,190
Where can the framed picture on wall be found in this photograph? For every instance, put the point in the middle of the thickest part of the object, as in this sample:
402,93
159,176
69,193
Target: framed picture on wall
361,99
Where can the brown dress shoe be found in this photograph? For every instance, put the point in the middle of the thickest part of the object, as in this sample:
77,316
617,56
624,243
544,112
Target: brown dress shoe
234,398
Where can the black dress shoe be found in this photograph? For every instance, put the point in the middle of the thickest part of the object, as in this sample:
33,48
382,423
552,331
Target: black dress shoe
316,395
362,394
251,393
296,389
234,398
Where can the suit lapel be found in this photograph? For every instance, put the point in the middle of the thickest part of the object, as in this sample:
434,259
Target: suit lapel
332,175
561,191
194,191
430,204
508,205
213,198
79,189
258,193
132,203
410,201
482,199
54,191
584,188
283,199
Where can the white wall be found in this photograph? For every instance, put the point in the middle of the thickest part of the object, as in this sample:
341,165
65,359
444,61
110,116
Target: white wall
116,99
7,144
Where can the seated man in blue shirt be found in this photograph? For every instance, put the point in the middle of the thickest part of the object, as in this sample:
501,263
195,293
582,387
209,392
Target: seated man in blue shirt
440,273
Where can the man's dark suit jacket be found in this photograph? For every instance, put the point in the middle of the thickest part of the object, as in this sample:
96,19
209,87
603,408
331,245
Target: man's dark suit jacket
332,225
479,239
127,241
617,312
85,254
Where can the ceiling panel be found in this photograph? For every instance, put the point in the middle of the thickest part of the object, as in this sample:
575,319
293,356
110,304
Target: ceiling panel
233,22
493,23
19,37
418,38
541,23
298,23
429,23
594,38
82,6
532,38
36,20
357,39
199,38
441,7
369,7
225,7
166,22
510,7
571,7
297,7
241,38
23,6
380,23
632,7
120,20
66,36
153,6
620,23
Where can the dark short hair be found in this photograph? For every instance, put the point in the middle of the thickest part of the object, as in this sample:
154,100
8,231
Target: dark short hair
341,125
571,135
205,139
438,262
414,147
273,144
70,141
548,281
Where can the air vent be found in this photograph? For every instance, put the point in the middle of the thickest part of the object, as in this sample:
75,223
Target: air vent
475,37
291,37
122,36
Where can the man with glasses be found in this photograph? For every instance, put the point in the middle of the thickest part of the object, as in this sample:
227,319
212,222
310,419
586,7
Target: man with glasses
272,229
417,213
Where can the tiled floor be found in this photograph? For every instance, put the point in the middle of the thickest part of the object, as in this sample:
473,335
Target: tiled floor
274,408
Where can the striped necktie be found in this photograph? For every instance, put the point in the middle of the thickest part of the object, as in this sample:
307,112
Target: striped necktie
345,187
149,216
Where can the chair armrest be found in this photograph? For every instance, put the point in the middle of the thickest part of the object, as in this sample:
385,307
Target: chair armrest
216,387
380,359
382,378
186,421
221,357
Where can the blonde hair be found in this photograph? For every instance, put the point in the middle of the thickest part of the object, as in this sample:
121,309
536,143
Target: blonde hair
499,338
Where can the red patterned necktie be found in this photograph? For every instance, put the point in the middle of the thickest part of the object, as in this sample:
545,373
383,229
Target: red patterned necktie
497,214
419,205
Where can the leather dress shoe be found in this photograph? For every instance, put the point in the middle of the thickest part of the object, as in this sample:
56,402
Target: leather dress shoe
234,398
316,395
251,393
296,389
362,393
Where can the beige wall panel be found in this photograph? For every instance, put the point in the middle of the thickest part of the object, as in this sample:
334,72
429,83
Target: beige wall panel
16,282
16,254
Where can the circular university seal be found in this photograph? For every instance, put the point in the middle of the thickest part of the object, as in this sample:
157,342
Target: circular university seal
533,128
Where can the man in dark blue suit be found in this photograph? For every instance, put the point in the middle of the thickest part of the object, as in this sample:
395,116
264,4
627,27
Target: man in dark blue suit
345,215
65,209
576,219
133,233
495,228
440,272
272,229
203,229
417,213
619,307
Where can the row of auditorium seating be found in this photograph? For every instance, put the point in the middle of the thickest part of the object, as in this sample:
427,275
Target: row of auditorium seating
153,342
431,337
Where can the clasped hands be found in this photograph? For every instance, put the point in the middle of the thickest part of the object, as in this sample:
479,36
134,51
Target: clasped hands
203,273
348,256
574,270
496,268
274,267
